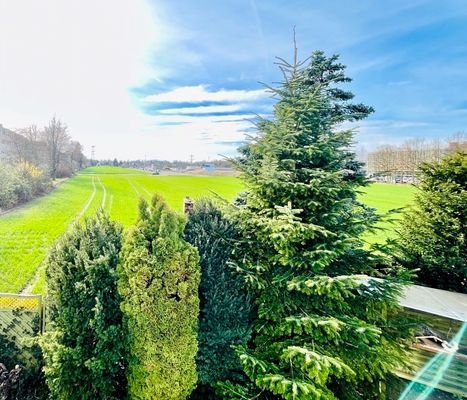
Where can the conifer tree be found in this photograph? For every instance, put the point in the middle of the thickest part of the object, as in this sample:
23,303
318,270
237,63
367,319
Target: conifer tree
225,308
158,281
322,331
433,235
84,344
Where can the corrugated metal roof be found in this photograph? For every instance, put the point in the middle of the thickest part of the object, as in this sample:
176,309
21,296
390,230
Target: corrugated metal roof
435,301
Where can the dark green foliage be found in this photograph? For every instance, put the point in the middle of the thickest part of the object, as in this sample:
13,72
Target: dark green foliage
225,309
31,383
84,344
433,235
18,346
321,332
159,279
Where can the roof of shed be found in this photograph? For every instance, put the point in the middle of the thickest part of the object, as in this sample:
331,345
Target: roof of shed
435,301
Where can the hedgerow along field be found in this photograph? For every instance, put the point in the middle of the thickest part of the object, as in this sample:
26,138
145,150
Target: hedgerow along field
27,233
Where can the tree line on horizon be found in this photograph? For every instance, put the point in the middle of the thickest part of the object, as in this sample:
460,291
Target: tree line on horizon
392,163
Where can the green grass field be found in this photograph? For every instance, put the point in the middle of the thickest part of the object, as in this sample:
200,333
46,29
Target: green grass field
386,197
27,233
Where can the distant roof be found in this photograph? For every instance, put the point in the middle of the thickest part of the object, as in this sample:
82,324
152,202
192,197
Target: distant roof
435,301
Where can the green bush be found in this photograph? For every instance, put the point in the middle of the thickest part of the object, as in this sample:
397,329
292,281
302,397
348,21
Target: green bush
37,182
159,279
225,308
8,196
84,343
20,183
31,383
433,236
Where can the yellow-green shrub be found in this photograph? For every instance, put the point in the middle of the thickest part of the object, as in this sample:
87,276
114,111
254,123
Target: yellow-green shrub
159,279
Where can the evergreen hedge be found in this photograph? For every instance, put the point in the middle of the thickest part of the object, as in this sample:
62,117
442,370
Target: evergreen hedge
159,279
84,343
225,308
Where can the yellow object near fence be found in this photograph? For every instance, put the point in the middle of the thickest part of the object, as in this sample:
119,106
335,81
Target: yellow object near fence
21,316
24,302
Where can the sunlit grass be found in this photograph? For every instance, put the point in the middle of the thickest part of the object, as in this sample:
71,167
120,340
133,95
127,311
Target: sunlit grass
386,197
27,233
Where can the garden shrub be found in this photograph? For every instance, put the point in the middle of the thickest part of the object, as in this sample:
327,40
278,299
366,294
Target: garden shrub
225,308
159,279
84,344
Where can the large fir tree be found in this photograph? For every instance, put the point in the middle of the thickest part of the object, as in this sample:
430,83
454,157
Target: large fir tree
159,279
84,344
433,236
320,331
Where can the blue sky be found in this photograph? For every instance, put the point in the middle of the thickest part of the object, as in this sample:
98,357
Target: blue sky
176,78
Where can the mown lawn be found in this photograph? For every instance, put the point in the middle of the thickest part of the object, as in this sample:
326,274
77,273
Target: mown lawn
26,234
386,197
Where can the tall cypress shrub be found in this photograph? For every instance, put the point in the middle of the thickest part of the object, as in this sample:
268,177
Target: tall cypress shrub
225,307
159,279
320,331
84,344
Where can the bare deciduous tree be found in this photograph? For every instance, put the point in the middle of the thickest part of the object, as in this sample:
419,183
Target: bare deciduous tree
393,163
56,139
31,145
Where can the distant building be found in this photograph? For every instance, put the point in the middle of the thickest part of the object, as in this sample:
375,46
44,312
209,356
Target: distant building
7,140
207,167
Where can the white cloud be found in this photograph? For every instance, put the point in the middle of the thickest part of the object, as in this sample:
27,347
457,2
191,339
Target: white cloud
399,83
198,94
205,138
178,119
77,60
204,109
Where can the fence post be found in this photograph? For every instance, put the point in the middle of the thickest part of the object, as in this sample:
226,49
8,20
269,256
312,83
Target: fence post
187,205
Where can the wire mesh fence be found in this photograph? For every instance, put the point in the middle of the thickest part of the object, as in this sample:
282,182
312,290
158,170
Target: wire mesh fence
20,316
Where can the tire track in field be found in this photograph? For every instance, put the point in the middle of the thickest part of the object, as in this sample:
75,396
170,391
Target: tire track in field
144,189
110,203
85,208
134,187
104,196
33,280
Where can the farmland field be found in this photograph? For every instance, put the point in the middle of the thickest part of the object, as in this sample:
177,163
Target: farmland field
386,197
27,233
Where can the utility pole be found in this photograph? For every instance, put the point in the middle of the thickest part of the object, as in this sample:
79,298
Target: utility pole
92,154
191,158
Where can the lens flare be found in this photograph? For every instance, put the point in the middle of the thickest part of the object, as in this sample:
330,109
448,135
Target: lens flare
433,371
